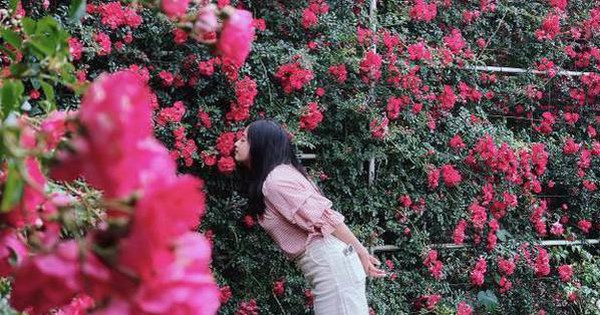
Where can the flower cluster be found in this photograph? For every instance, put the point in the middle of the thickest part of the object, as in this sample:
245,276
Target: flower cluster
293,77
423,11
310,15
245,92
225,146
117,153
478,273
114,15
370,67
433,264
550,27
311,117
542,263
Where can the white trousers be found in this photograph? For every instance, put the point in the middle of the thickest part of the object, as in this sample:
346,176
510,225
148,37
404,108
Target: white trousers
336,276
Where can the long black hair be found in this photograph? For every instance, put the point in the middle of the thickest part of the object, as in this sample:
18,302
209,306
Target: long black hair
270,146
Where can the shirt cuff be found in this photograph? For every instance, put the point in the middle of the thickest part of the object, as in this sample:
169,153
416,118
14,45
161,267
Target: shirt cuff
331,219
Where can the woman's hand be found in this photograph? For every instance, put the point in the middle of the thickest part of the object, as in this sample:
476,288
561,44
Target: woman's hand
370,264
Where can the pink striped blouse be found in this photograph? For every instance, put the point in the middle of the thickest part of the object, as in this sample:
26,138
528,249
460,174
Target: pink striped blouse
296,213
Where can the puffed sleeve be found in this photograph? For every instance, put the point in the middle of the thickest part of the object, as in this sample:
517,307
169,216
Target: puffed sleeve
298,202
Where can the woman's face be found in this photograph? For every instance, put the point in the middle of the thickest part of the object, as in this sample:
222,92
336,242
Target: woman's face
242,149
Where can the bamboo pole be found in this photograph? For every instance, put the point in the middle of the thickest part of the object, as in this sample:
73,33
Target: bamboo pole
521,70
392,248
373,22
307,156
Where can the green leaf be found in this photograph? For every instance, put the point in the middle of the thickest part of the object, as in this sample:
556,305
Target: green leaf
12,38
7,51
503,235
38,53
18,69
13,191
10,98
67,74
48,106
35,82
77,9
47,37
48,91
29,26
488,299
43,47
13,4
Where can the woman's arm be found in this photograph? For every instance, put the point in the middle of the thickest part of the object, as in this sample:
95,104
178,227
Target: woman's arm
343,233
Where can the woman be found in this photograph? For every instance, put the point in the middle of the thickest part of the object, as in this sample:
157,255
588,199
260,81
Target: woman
300,220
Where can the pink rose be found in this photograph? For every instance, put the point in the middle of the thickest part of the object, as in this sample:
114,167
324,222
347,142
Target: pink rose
174,8
225,143
167,210
433,177
54,128
75,48
51,280
237,36
279,287
26,211
565,272
451,176
226,165
206,21
225,294
464,308
186,286
12,250
249,221
584,225
118,154
78,306
116,110
312,117
208,159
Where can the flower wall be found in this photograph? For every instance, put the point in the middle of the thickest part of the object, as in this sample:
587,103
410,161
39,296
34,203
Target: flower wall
122,241
492,161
